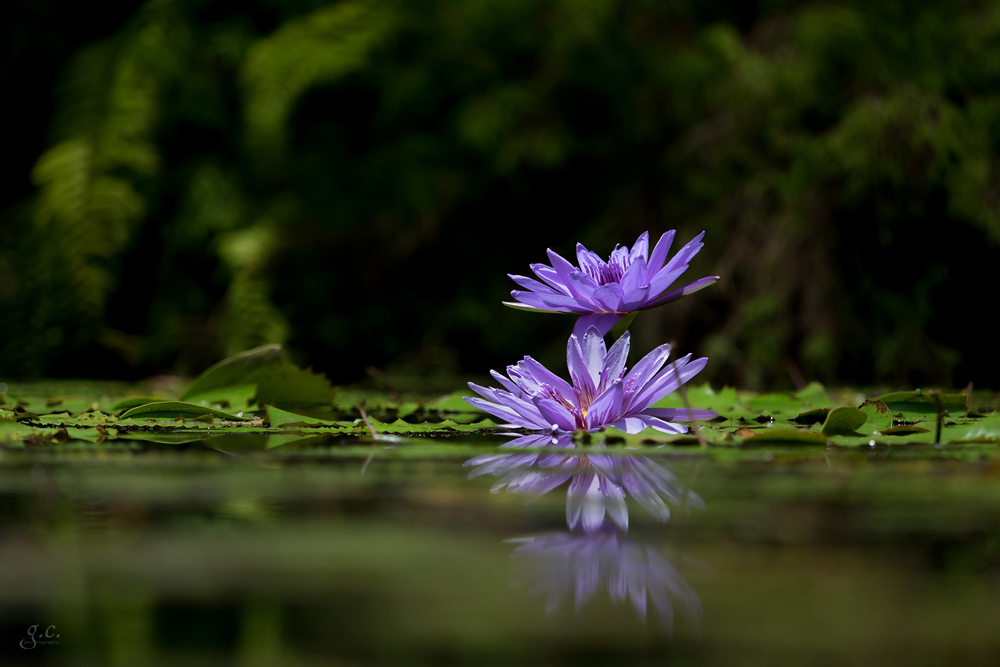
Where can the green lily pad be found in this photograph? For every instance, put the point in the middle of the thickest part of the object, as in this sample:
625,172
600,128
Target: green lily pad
786,436
844,421
239,397
921,403
277,417
775,404
175,409
278,381
133,402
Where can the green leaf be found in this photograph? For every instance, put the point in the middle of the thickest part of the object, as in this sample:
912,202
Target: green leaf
238,397
786,436
775,404
815,395
133,402
921,403
175,409
278,381
277,417
844,421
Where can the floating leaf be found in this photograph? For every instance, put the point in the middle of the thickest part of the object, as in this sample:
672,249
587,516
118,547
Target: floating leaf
844,421
815,395
133,402
775,404
921,403
786,436
277,417
175,409
238,397
278,381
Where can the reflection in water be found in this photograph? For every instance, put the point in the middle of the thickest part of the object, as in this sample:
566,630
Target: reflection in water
596,553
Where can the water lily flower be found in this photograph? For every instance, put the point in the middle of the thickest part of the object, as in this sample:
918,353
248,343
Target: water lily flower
598,482
604,392
602,293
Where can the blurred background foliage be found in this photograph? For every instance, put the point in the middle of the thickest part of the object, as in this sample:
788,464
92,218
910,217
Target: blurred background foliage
191,178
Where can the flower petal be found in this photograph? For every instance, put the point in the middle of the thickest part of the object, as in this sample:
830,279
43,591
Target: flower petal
550,276
640,249
660,252
606,408
578,370
634,276
532,284
679,414
676,266
646,369
665,383
542,374
673,295
556,415
630,425
609,297
603,322
614,360
594,352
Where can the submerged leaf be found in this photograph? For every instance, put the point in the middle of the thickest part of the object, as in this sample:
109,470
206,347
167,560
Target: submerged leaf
786,436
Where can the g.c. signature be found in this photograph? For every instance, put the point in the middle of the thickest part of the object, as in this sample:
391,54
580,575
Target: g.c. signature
38,638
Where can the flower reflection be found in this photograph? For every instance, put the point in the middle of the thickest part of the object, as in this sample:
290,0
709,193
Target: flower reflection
598,482
579,565
596,554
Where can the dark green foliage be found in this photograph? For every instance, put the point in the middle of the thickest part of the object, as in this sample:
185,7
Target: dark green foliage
354,179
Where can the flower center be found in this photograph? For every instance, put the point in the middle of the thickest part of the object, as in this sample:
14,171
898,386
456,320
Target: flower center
607,273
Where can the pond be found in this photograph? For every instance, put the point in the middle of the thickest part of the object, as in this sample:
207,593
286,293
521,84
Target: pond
249,544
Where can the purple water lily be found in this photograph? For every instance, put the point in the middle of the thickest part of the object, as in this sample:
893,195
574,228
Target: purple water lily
603,393
602,292
578,566
598,482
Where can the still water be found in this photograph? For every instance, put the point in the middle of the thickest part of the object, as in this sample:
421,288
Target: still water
462,551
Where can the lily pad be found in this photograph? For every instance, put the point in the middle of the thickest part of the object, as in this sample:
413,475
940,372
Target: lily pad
277,417
786,436
278,381
844,421
175,409
921,403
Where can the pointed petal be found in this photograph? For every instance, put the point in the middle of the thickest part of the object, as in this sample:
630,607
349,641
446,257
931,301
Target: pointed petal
614,360
635,275
630,425
549,276
635,299
665,383
660,252
594,352
606,408
646,369
673,295
532,284
679,414
555,415
578,370
542,374
640,249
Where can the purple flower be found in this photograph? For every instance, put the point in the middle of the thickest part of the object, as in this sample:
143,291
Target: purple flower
603,393
604,292
579,566
598,482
